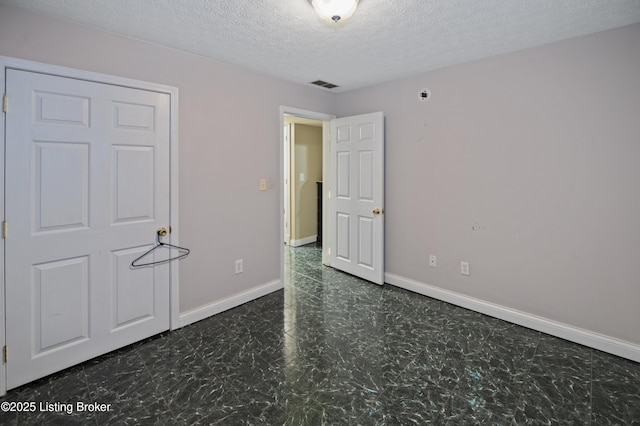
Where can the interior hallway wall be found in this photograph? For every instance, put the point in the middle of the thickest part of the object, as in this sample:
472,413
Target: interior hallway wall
223,215
528,167
306,160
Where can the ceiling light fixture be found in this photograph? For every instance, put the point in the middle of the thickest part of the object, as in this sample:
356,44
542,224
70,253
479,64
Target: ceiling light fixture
335,10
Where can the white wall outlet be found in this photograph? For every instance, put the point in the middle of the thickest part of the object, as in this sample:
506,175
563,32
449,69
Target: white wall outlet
432,261
464,268
239,266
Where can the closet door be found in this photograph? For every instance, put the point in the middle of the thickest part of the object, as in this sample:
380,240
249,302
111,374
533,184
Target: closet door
87,178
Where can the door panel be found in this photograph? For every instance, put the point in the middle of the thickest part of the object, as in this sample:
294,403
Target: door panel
87,180
365,241
133,289
61,200
357,178
133,169
343,176
341,245
60,299
65,110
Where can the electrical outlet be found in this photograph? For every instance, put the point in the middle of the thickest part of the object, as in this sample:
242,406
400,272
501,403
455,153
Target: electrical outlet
263,184
239,266
432,261
464,268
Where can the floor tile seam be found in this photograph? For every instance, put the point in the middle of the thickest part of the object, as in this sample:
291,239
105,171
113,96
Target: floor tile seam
304,291
269,363
293,337
90,393
322,282
185,342
166,403
456,390
92,398
157,395
378,338
152,377
309,277
296,272
526,375
287,362
479,348
591,388
196,351
385,389
210,373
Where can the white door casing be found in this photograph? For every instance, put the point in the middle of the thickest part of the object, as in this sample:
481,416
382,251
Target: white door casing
87,178
287,187
357,196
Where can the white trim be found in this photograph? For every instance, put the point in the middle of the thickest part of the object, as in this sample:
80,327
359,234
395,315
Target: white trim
304,241
3,339
286,164
575,334
174,209
214,308
299,113
59,71
327,220
24,65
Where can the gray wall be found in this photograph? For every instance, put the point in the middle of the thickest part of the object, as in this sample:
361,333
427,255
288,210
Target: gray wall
525,165
528,167
223,215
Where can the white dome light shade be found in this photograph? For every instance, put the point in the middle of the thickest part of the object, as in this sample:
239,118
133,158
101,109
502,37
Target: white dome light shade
335,10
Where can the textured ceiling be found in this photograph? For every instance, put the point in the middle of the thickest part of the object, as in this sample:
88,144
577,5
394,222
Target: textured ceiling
383,41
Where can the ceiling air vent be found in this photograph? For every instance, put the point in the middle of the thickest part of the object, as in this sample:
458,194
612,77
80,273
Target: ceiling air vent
324,84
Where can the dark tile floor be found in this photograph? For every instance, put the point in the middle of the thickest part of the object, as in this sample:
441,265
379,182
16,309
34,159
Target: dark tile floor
332,349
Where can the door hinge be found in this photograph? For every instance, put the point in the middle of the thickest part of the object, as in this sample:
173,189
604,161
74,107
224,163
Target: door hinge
4,229
5,103
5,354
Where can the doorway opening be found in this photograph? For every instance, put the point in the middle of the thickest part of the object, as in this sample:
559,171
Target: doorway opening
353,168
303,181
304,155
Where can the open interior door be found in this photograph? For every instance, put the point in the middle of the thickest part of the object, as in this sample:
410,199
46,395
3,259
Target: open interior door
357,196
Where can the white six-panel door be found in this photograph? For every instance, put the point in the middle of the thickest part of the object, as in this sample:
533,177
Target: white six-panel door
357,196
87,185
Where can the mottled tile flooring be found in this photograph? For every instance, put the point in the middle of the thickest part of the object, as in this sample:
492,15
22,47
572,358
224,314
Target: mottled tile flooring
332,349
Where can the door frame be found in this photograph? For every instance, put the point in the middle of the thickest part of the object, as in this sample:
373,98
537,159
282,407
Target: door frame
25,65
326,141
286,161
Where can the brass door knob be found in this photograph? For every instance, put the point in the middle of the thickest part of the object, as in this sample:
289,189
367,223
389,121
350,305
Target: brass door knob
376,211
162,231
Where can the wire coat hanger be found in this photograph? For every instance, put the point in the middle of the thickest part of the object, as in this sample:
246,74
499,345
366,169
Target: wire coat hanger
182,252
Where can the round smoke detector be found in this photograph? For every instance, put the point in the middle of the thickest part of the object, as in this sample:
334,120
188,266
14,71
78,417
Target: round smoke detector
424,95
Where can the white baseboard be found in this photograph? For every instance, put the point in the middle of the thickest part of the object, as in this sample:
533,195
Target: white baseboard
578,335
304,241
206,311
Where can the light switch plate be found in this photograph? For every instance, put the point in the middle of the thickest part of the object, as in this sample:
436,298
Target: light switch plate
464,268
